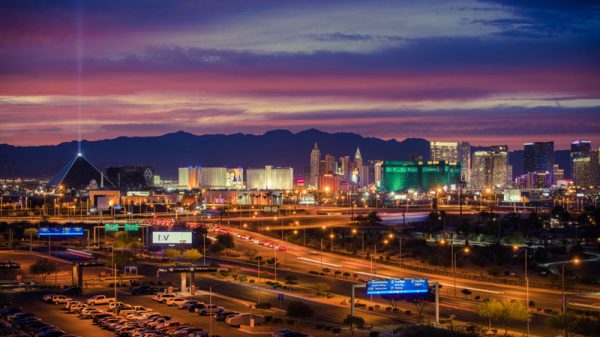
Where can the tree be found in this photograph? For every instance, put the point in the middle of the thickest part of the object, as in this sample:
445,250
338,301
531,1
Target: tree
504,310
466,292
299,309
43,267
172,253
250,254
191,254
393,298
216,248
226,240
418,300
491,309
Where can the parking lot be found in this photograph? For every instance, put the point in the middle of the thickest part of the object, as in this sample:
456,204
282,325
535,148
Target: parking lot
71,323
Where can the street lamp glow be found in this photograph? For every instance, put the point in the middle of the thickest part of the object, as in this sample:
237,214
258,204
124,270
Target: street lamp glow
354,231
467,250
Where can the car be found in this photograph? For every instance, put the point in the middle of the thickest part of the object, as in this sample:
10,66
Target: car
100,299
196,306
244,319
144,290
176,301
48,298
132,309
222,315
162,298
87,314
280,332
69,304
209,310
61,299
186,304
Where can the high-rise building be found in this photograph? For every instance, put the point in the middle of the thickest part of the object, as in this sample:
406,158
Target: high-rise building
330,164
270,178
358,159
464,158
491,169
131,177
580,162
595,167
213,178
453,152
446,151
188,178
557,173
401,176
329,183
315,161
538,157
344,168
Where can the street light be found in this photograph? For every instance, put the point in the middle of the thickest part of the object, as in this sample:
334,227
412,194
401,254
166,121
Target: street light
575,261
331,236
385,242
516,248
454,255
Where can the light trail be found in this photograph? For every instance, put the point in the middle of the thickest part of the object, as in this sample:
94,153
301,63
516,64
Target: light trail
318,262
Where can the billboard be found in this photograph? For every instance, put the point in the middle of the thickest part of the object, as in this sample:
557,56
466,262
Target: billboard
398,286
512,195
172,237
60,231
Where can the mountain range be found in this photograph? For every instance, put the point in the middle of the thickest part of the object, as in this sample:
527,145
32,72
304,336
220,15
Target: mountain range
168,152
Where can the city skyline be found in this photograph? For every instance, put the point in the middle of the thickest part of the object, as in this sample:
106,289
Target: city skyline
487,72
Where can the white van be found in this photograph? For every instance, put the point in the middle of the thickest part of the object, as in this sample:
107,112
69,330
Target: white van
244,319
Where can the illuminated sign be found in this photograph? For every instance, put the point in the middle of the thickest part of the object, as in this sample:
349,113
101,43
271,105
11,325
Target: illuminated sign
172,237
60,231
131,227
109,227
512,195
398,286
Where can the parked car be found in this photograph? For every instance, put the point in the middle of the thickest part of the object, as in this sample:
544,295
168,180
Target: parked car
223,315
186,304
244,319
162,298
176,301
61,299
48,298
144,290
210,309
100,299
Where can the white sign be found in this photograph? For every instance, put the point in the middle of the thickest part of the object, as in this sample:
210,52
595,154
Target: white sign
172,237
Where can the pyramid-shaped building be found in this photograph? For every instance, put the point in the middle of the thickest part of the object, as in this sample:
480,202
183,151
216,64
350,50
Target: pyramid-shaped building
80,174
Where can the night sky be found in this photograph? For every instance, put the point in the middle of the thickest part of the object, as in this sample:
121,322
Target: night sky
489,72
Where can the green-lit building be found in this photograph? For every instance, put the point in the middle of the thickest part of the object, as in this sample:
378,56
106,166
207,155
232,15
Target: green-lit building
401,176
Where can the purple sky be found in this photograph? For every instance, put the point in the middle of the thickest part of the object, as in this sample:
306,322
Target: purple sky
489,72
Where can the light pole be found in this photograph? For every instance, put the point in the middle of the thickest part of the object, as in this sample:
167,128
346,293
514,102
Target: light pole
516,248
375,253
331,236
466,250
575,261
321,254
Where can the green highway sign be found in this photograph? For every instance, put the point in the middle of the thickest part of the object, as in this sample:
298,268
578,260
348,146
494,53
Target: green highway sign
131,227
111,227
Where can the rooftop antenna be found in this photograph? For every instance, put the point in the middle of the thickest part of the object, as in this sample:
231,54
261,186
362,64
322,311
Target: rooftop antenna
79,29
